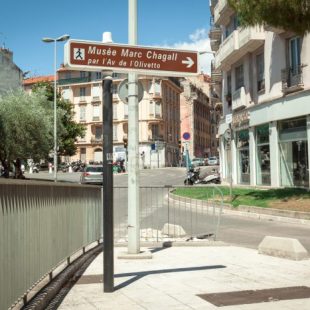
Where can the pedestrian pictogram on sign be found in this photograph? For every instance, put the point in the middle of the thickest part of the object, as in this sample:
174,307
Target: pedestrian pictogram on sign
97,56
79,53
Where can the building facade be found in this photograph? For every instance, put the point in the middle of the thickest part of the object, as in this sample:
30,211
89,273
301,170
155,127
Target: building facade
11,76
159,117
196,116
263,77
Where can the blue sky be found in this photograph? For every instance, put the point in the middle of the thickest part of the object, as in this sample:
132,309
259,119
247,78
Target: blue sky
182,24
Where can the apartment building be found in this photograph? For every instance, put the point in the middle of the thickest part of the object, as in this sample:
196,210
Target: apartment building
30,82
196,117
11,76
262,76
159,117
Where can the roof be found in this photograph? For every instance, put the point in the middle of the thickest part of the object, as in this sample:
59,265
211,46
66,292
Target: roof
38,79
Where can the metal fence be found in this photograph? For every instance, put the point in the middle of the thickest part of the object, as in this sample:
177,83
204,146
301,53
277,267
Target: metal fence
42,224
166,216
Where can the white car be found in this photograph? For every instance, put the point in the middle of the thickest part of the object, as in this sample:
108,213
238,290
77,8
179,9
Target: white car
213,161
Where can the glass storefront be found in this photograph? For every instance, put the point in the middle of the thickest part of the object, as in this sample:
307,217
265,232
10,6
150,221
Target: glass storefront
243,155
262,155
293,147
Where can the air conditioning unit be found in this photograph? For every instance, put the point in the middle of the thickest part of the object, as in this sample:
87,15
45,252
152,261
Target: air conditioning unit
239,99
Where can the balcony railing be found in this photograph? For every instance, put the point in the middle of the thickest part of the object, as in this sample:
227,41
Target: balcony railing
96,140
239,43
222,12
292,79
215,33
239,99
74,80
216,74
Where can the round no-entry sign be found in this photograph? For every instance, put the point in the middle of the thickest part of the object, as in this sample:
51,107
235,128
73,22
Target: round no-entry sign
186,136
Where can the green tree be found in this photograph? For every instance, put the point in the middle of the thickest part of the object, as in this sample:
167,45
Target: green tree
290,15
66,139
25,128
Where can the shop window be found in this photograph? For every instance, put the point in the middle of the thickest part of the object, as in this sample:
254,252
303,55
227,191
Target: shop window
262,155
293,147
243,157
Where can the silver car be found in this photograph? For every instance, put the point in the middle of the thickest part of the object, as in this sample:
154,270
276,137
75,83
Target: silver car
92,174
213,161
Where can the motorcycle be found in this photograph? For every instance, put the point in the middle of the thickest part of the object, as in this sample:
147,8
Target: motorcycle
193,177
36,168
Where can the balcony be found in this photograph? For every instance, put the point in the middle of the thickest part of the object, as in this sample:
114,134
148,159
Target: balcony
216,74
156,138
212,5
96,140
238,44
215,45
95,99
77,80
292,79
239,99
222,13
215,33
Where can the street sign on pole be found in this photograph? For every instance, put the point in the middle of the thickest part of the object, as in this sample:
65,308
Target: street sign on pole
98,56
228,118
123,91
186,135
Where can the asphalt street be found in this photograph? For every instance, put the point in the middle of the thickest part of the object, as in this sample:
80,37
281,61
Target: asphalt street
234,229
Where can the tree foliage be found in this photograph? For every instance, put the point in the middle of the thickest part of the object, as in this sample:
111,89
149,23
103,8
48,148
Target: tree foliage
290,15
68,137
25,126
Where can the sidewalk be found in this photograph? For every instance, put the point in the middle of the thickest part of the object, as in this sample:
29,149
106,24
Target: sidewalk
174,277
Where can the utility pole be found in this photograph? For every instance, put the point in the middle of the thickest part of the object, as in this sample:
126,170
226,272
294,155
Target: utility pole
133,142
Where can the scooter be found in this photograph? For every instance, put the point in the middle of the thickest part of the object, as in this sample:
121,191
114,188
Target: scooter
192,176
213,178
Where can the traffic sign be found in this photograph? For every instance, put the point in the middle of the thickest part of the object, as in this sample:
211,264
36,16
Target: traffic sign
186,135
97,56
123,91
228,118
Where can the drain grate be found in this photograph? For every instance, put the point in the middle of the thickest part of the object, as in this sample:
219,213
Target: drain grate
90,279
256,296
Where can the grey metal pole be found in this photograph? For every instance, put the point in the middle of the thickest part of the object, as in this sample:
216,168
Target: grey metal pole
55,112
133,142
108,239
230,185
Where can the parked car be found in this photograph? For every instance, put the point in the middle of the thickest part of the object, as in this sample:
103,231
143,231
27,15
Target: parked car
213,161
92,174
198,162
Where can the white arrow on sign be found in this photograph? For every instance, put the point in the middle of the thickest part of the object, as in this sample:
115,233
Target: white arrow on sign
189,62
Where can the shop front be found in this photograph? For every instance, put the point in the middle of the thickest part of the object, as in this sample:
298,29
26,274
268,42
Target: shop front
293,150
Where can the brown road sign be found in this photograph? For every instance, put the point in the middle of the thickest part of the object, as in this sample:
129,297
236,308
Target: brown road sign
97,56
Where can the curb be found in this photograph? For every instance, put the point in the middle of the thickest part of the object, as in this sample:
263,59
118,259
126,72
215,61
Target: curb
294,217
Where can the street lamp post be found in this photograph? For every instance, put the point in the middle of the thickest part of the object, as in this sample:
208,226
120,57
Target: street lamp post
62,38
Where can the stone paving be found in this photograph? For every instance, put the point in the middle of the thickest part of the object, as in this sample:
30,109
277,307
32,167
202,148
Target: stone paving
174,277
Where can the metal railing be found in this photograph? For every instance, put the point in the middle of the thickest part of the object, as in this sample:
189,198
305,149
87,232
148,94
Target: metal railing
292,77
166,216
41,225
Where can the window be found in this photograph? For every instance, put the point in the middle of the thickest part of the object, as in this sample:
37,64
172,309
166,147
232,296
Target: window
98,75
155,131
115,132
96,91
157,109
66,93
82,92
239,77
262,155
82,74
114,111
114,89
228,92
83,113
126,110
294,51
151,108
260,72
98,133
96,113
